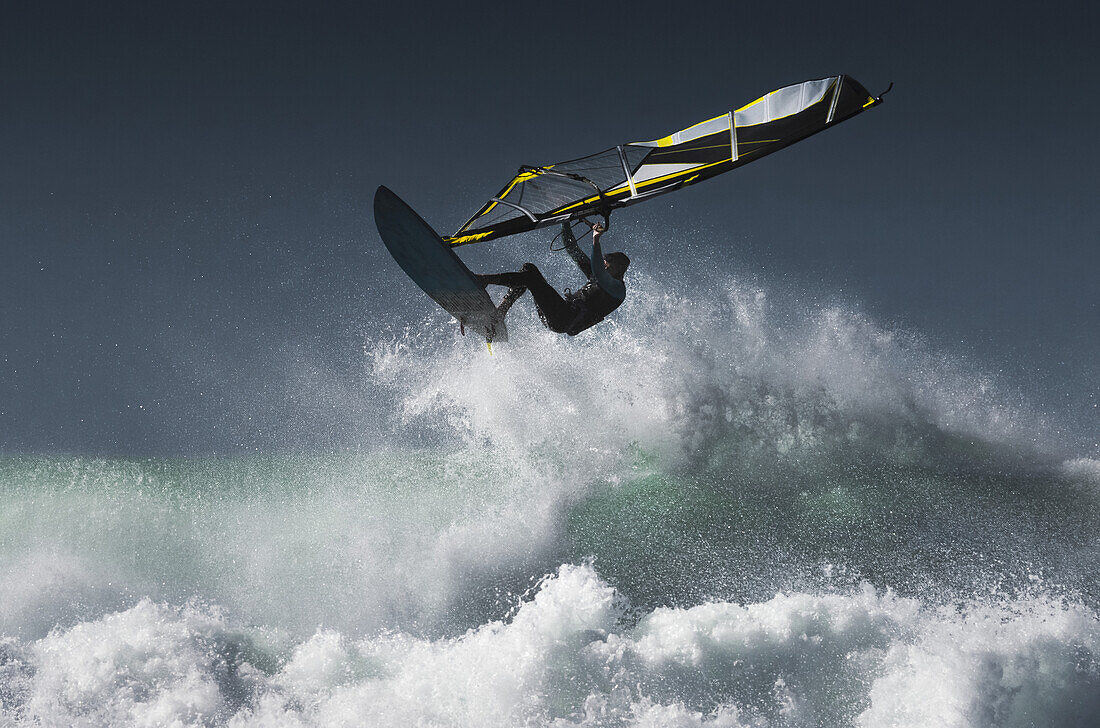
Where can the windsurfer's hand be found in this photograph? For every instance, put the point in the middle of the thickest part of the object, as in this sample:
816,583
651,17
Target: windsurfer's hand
597,229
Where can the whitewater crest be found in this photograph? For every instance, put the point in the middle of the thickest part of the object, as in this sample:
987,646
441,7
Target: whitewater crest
574,654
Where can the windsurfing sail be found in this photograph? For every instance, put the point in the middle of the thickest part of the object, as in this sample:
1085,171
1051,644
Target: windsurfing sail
630,173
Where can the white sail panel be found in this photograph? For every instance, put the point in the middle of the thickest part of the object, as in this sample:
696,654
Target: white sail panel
783,102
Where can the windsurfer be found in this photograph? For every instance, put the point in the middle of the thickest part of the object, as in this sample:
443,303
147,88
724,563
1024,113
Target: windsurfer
577,310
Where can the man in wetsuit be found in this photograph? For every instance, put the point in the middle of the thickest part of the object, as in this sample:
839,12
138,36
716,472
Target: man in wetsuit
578,310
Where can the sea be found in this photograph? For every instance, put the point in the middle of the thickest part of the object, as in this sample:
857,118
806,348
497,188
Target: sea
739,507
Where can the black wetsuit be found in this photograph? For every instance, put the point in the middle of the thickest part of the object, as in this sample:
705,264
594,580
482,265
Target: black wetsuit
577,310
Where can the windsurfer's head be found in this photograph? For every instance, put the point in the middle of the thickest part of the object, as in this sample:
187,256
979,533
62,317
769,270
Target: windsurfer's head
616,264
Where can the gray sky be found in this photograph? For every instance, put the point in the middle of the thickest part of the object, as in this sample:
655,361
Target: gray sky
185,190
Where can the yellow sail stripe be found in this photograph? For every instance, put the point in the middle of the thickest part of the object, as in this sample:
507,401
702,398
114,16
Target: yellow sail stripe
466,239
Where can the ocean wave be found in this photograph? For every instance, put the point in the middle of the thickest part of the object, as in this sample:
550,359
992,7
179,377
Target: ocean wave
574,653
753,510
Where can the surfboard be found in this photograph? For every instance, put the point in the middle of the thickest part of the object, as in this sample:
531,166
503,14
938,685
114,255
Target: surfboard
434,267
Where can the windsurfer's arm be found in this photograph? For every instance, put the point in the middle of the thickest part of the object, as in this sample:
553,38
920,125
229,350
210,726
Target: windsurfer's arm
575,251
604,279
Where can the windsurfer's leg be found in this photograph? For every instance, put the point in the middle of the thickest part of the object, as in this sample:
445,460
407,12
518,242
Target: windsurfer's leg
512,280
553,310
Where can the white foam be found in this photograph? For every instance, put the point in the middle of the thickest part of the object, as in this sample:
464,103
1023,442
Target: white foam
570,657
867,658
1034,663
146,666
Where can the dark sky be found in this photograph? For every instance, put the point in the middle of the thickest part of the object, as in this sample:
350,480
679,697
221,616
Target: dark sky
189,259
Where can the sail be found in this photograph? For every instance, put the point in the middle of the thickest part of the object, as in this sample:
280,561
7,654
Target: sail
632,172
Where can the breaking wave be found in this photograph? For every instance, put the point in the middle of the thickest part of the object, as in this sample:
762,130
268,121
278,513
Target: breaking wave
730,509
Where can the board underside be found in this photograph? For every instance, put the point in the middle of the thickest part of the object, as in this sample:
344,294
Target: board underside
433,266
